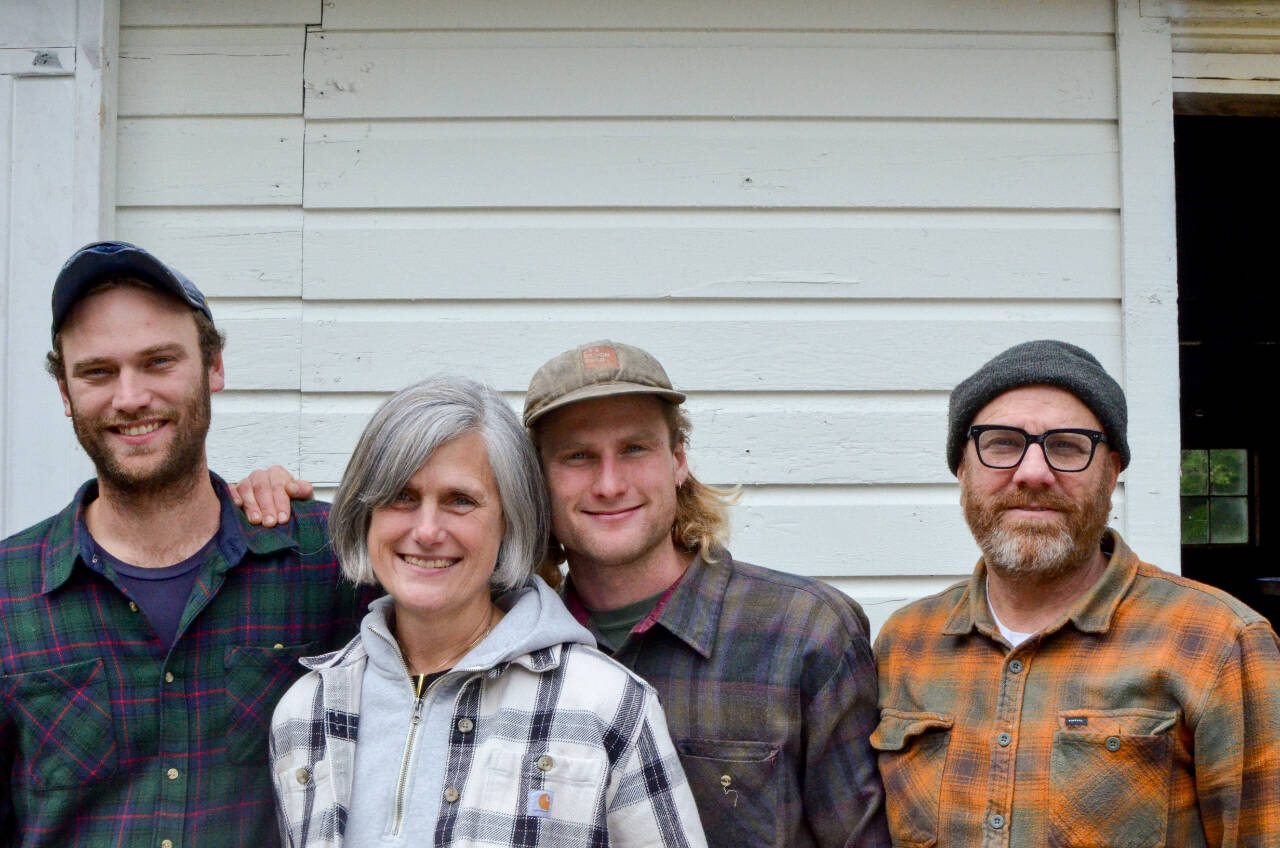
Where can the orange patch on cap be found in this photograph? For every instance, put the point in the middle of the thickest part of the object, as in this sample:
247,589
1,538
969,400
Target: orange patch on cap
600,356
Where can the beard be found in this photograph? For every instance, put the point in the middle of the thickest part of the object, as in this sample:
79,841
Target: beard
184,456
1039,550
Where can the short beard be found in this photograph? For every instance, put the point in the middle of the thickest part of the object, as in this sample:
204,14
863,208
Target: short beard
175,472
1040,552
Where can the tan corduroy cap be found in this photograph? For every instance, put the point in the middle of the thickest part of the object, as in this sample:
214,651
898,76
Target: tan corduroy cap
595,370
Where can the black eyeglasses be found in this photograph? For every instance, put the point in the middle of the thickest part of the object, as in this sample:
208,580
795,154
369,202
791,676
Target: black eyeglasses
1066,449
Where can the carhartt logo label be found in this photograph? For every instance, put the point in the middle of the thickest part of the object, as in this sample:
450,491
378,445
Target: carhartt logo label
1077,721
600,356
539,803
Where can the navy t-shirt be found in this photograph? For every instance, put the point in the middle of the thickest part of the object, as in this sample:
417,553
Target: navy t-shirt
161,593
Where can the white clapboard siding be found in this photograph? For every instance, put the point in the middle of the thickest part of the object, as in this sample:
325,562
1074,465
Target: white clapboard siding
252,252
743,254
1068,16
252,430
790,164
710,346
381,74
218,12
37,23
211,71
822,439
210,161
263,338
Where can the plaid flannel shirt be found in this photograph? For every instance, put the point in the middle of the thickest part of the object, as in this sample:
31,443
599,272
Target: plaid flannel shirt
1148,715
562,722
107,736
768,684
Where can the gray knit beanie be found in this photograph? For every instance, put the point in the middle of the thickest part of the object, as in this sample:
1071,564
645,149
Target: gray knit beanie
1044,362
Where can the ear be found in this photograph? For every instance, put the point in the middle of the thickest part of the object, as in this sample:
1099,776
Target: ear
682,465
66,399
217,376
1113,469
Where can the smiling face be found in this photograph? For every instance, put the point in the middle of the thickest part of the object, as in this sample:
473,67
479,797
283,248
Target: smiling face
435,546
136,390
612,475
1032,520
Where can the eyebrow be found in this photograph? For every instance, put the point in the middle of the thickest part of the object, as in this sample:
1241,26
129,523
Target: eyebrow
154,350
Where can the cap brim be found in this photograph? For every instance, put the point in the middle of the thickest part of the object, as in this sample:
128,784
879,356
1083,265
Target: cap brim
603,390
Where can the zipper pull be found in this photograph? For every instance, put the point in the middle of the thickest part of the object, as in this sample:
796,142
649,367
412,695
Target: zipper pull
419,685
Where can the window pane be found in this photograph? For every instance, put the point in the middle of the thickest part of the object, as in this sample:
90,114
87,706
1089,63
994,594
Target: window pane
1195,521
1228,521
1195,473
1228,472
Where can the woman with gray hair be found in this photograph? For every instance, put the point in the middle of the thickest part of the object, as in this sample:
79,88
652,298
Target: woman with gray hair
471,709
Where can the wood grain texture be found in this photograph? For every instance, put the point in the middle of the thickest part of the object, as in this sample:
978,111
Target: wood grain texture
359,75
210,161
218,12
228,252
982,15
211,71
263,338
784,164
750,254
850,348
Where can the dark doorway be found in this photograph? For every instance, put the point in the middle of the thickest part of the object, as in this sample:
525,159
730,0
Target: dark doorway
1228,185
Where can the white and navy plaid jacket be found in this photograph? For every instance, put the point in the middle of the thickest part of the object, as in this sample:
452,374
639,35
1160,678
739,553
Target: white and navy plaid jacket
564,722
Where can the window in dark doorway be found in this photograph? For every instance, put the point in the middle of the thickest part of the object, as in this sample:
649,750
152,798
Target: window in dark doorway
1215,497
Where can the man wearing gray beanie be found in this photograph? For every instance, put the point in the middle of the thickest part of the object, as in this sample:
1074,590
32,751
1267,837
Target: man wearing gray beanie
1068,693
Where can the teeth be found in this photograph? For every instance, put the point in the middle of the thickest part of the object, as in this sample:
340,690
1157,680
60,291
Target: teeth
426,563
140,429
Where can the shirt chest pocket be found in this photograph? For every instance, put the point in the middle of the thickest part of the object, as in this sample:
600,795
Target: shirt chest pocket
1109,777
736,787
66,735
557,786
256,678
912,750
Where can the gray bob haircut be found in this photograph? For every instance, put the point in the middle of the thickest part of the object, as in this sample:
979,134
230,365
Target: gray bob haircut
402,436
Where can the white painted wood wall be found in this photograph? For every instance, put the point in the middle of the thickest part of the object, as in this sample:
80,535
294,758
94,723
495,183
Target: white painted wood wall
820,216
57,125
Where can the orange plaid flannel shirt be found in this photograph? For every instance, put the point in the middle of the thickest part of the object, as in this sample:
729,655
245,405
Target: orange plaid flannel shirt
1148,716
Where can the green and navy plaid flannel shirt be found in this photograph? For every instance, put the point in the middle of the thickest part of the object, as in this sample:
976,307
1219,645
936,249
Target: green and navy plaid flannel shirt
107,736
769,687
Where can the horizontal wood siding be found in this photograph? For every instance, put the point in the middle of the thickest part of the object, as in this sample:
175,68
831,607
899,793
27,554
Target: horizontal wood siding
818,216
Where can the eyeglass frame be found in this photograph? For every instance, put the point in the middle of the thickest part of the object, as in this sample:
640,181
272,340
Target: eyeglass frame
1096,437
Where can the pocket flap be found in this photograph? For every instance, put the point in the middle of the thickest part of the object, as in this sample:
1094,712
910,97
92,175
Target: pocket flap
896,728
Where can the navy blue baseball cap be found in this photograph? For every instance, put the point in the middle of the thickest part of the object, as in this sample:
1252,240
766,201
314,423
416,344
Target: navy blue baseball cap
101,259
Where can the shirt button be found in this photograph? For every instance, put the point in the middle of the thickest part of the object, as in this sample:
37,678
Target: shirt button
302,776
277,647
450,794
133,606
725,780
997,821
166,843
1016,666
1004,739
1113,743
172,774
168,677
466,725
545,763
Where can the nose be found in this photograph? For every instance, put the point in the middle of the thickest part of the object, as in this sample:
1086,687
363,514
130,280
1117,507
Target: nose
1034,470
132,392
426,526
610,481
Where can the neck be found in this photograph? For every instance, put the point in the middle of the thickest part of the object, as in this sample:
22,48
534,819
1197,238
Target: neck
159,527
1028,605
432,643
608,587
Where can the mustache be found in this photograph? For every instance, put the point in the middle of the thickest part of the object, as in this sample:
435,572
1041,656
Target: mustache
1022,500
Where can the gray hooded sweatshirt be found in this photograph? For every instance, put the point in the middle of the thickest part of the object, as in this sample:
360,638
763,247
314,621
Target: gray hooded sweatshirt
400,761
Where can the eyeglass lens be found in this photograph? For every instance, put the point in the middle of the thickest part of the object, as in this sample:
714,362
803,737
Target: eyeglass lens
1063,451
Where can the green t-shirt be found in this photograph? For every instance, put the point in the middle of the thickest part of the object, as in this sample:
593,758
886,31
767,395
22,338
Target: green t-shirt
613,626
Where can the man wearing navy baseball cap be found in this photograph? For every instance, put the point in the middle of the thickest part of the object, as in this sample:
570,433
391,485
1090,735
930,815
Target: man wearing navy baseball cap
146,630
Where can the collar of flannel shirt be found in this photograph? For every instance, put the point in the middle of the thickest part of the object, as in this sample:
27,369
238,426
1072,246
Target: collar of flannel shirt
1091,613
689,609
235,536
